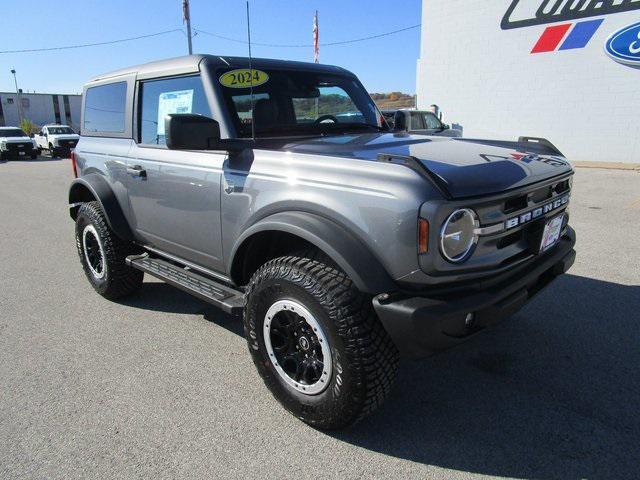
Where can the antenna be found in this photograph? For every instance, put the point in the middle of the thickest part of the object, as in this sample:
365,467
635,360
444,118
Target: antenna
253,124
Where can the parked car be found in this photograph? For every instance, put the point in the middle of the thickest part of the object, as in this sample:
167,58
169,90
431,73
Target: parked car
339,244
14,143
58,140
420,122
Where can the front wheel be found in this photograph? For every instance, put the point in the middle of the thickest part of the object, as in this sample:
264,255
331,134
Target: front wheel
103,254
317,342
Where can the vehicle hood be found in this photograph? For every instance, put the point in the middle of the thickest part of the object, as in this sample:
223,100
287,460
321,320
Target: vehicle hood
15,139
67,136
463,167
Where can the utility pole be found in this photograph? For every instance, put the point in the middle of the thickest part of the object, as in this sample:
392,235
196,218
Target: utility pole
19,100
186,17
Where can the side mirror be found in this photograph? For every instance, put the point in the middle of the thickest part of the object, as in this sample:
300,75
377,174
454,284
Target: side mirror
188,131
399,121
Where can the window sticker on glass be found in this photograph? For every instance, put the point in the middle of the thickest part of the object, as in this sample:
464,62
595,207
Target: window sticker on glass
243,78
180,101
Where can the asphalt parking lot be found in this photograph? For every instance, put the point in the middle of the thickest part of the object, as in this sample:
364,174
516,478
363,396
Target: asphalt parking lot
162,386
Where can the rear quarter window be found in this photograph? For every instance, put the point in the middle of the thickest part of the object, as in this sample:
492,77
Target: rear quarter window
104,108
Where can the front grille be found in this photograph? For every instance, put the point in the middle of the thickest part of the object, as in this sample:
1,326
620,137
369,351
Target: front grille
515,243
67,143
507,246
15,148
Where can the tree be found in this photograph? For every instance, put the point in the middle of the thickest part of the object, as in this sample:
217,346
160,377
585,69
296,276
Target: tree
28,126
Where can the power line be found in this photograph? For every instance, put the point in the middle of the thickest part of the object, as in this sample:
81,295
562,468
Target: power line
165,32
110,42
329,44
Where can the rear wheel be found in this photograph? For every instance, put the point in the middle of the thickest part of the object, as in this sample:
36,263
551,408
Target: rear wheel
103,254
52,151
316,341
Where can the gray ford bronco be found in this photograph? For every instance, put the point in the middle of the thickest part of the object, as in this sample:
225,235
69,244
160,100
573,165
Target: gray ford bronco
276,192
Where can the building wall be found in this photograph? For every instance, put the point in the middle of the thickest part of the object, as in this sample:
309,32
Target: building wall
40,109
486,79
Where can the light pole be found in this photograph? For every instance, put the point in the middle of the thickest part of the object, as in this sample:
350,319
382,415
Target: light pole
15,80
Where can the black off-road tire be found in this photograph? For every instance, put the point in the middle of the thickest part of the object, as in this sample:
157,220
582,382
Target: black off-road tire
364,358
117,279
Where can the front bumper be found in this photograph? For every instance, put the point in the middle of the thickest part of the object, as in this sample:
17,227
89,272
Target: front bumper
17,150
422,325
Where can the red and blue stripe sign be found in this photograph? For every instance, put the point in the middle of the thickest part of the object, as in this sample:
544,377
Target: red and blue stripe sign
556,37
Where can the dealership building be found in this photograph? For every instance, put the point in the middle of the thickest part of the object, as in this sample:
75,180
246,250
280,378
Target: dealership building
40,108
565,70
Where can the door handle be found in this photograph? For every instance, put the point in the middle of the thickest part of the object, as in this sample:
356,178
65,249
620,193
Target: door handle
137,171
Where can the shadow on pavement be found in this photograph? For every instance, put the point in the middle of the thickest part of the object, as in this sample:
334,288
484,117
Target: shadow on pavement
35,160
551,393
161,297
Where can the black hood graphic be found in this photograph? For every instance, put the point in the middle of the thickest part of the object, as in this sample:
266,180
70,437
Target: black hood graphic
464,167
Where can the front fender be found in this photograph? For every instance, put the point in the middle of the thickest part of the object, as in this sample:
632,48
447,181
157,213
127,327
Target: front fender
94,187
349,253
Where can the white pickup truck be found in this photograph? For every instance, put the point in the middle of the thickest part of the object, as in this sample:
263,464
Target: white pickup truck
14,143
58,140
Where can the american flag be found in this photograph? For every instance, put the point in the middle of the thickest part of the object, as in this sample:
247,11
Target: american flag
316,34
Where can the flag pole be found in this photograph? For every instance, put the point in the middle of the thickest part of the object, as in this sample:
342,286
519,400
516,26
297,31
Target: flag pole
186,15
316,38
316,51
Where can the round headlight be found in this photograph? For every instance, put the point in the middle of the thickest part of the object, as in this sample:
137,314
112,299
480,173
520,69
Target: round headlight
458,236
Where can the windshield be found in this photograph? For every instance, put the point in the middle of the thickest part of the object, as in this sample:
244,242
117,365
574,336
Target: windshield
12,132
59,130
431,122
297,103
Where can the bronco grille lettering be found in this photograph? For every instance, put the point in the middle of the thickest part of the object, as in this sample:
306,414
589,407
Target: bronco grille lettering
536,213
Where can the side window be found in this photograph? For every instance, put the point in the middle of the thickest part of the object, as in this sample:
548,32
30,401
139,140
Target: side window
172,95
104,108
417,122
432,121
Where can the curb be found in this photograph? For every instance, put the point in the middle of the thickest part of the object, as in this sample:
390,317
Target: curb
608,165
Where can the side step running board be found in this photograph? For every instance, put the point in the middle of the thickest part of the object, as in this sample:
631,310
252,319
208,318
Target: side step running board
222,296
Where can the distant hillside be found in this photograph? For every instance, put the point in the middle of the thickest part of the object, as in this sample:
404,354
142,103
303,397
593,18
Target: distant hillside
393,100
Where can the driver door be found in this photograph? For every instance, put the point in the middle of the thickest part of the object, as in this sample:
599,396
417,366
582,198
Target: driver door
174,195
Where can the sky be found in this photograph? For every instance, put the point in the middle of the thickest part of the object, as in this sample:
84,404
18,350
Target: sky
383,64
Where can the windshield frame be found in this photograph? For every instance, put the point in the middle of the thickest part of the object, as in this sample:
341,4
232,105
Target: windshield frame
232,120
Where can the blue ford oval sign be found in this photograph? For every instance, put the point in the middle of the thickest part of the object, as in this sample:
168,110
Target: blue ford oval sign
624,45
